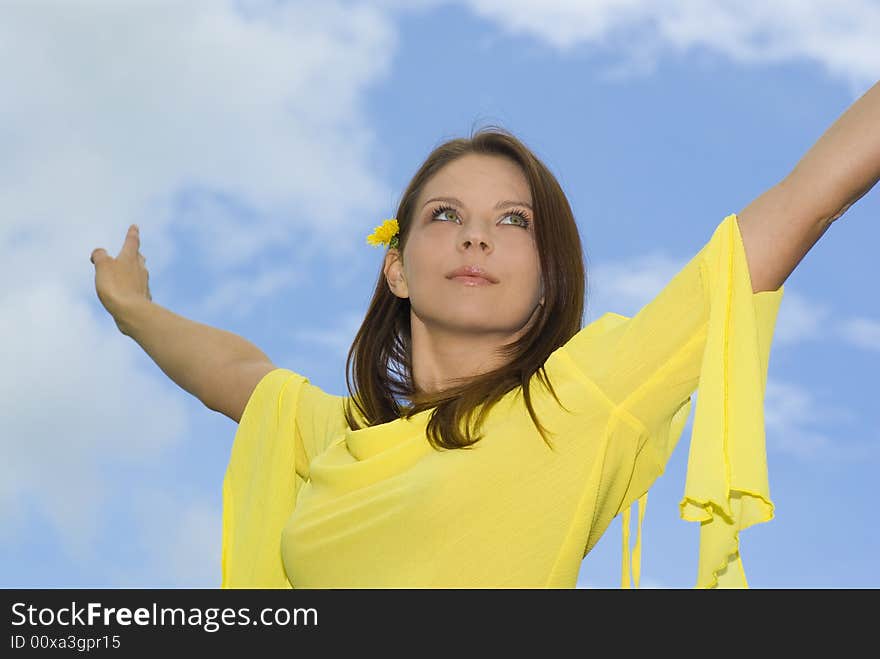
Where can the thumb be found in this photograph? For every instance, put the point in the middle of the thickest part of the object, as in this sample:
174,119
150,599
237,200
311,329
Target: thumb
98,255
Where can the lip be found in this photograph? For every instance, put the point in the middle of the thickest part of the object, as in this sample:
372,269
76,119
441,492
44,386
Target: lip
467,280
473,274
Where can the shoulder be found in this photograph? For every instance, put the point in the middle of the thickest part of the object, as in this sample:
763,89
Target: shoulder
255,381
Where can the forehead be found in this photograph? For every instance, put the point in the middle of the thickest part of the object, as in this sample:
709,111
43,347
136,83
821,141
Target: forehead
480,178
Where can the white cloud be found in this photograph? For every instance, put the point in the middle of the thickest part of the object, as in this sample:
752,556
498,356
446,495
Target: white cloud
839,36
337,340
183,536
174,544
806,424
130,112
231,126
626,286
801,319
861,332
803,423
234,124
75,397
237,295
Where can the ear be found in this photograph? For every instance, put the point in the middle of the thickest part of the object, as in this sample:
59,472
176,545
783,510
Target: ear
394,276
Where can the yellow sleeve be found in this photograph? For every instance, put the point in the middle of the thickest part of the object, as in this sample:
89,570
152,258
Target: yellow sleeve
285,424
320,418
706,328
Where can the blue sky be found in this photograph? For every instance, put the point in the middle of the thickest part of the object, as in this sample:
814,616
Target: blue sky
258,143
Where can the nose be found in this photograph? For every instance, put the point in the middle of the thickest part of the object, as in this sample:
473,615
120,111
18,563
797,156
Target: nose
475,235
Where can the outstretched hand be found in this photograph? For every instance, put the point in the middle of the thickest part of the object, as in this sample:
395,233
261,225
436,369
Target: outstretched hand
124,280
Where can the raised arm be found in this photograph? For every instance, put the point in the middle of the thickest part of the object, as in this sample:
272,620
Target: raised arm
781,225
219,368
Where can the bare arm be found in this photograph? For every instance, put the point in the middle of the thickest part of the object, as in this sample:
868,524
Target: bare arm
218,367
781,225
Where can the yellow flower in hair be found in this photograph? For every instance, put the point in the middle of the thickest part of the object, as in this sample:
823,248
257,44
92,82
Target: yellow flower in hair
385,234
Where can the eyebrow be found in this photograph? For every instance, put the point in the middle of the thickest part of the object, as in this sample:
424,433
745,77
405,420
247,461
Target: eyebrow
501,204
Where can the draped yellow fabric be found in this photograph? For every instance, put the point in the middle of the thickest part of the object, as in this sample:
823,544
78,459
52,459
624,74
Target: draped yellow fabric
727,488
260,487
637,550
310,503
727,485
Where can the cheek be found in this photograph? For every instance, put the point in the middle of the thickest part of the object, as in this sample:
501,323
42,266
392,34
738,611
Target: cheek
531,269
423,265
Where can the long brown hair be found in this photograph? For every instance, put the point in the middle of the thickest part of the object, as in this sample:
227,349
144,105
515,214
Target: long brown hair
381,350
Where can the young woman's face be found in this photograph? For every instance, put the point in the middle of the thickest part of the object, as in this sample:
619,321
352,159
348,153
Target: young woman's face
470,230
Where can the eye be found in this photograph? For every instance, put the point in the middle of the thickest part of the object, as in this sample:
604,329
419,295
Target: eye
442,209
525,222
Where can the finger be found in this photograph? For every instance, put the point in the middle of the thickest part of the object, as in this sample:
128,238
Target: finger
98,254
132,241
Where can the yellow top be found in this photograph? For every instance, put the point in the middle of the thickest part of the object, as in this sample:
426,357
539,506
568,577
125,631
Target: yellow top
309,503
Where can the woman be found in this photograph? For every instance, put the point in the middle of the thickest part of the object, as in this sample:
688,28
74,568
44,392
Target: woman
489,440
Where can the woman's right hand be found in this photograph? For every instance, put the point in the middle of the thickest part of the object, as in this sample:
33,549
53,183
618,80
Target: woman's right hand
122,281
